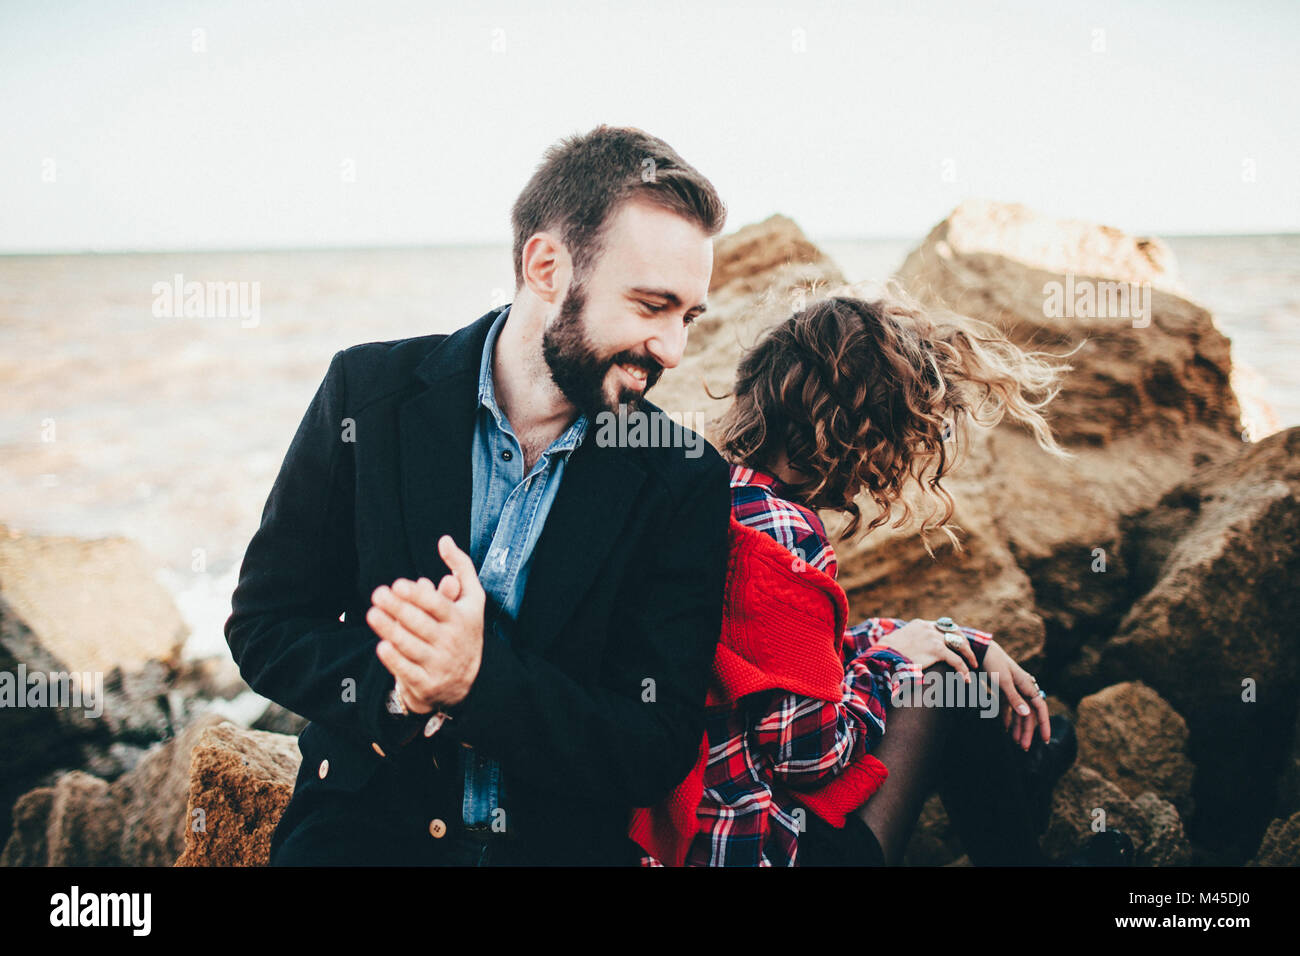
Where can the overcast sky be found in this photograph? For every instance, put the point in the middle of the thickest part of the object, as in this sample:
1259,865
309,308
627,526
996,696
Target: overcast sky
171,125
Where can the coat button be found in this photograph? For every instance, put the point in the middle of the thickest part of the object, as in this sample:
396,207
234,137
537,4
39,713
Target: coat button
433,724
378,749
324,769
437,829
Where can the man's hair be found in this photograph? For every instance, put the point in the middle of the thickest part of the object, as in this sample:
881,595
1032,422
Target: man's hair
584,179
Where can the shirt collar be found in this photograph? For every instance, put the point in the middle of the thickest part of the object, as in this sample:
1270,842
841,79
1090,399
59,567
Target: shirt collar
742,477
487,396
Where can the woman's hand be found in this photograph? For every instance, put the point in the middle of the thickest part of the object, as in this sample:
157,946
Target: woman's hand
1022,707
923,643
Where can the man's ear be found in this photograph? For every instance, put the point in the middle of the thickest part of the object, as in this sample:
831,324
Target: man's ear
547,267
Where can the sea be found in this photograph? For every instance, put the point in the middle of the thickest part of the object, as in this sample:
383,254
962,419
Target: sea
124,413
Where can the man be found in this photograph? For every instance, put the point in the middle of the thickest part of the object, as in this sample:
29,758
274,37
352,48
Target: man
501,628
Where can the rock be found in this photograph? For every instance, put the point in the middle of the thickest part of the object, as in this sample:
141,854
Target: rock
137,820
1084,802
1166,843
153,799
1223,607
1168,367
85,823
91,605
1215,635
744,259
1133,738
241,781
278,720
1281,844
27,844
90,611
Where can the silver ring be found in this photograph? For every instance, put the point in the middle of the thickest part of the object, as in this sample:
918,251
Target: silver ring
1042,694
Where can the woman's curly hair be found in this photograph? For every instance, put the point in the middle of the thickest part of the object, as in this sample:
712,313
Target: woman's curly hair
864,395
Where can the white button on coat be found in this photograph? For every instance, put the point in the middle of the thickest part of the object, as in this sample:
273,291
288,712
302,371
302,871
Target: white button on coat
324,768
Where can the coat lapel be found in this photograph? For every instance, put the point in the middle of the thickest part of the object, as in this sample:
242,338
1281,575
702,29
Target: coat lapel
436,434
596,493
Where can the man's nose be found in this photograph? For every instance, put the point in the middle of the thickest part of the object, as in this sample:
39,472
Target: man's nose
667,347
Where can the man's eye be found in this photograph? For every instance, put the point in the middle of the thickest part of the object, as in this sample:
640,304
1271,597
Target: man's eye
653,308
688,320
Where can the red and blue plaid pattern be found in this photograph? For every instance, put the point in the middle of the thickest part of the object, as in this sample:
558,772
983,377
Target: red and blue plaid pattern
763,752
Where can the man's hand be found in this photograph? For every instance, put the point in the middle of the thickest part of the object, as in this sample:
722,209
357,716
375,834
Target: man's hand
432,638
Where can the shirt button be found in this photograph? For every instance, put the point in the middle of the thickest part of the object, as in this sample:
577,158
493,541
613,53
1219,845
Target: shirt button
437,829
324,769
507,455
378,749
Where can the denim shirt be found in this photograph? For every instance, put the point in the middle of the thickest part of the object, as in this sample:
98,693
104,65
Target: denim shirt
507,513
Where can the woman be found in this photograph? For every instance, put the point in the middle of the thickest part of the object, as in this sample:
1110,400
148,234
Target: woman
846,397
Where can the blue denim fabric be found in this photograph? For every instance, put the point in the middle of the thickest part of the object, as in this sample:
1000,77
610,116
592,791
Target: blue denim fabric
507,513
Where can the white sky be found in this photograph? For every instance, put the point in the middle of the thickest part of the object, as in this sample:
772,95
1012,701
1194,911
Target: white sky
891,115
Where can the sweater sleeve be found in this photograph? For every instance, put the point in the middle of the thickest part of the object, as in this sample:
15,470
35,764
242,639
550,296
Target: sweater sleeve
892,667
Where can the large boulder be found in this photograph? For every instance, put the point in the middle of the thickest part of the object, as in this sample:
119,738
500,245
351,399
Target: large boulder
240,783
1136,740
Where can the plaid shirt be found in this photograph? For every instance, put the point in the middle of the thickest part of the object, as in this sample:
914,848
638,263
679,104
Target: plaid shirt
763,752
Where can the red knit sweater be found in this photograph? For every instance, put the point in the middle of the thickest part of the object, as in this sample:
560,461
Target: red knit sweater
782,628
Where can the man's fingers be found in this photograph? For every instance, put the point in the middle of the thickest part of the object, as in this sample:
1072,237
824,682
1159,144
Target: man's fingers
424,596
449,587
400,606
459,563
401,668
410,646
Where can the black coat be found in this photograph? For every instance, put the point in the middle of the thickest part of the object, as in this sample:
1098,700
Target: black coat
596,705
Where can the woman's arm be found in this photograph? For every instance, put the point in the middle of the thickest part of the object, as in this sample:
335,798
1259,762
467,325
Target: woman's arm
808,740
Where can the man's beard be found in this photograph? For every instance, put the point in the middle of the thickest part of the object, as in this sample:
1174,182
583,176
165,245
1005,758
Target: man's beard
578,371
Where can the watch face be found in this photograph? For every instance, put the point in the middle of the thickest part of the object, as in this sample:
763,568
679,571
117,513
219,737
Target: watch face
395,705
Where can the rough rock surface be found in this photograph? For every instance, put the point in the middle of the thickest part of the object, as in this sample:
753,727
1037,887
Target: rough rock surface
1084,801
1166,843
1137,741
137,820
1281,844
240,783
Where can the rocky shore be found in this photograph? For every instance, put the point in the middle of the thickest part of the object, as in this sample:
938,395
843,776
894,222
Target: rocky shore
1148,582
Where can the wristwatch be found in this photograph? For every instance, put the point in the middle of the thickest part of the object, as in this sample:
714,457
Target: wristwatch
397,707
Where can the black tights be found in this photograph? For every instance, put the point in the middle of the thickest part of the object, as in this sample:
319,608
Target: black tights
978,771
